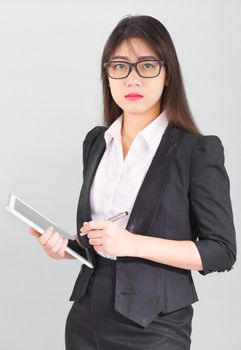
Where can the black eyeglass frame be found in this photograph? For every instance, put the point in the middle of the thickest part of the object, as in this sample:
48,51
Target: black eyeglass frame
161,63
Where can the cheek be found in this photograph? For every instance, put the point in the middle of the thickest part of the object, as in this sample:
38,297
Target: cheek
154,91
158,86
115,91
118,95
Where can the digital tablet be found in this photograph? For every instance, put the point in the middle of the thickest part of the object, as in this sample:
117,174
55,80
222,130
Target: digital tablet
39,222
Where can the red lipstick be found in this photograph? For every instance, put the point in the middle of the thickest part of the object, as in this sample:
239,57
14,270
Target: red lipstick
133,96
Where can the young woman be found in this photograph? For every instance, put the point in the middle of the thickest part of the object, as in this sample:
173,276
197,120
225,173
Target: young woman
148,159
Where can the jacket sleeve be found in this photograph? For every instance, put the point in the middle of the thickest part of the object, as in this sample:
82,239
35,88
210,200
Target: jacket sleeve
211,207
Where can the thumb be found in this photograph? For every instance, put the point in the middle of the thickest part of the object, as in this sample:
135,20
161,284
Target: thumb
34,232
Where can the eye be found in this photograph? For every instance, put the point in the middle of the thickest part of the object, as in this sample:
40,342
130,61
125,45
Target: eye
148,65
119,66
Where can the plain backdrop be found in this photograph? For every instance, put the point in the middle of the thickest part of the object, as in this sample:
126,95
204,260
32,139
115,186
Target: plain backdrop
50,97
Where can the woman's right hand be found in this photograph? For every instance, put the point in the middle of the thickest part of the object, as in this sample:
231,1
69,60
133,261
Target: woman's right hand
52,242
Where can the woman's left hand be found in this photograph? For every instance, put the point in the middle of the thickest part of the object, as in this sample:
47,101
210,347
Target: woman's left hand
108,237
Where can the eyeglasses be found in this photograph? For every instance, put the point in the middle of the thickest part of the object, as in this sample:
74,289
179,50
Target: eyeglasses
145,69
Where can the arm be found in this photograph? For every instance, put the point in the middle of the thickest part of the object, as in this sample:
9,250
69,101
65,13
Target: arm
210,207
181,254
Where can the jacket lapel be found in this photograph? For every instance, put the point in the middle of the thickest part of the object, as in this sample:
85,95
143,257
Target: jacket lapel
149,192
154,182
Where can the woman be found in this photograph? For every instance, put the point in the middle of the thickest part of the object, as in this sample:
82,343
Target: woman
150,160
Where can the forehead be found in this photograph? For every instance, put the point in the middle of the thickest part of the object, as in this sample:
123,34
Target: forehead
134,48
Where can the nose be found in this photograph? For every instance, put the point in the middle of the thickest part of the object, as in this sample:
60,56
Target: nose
133,77
133,71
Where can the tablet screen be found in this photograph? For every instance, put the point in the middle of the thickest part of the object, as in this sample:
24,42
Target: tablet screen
40,223
35,217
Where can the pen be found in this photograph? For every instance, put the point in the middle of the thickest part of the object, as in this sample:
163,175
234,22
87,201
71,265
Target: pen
118,216
113,218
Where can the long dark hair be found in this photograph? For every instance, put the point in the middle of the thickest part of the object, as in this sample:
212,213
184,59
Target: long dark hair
173,99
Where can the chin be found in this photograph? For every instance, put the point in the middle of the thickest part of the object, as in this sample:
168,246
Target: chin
134,109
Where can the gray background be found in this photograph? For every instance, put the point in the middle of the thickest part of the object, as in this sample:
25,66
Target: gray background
50,97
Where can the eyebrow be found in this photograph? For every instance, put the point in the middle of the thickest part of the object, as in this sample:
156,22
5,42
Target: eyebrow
139,58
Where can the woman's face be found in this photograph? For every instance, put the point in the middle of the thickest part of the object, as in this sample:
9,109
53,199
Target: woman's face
150,88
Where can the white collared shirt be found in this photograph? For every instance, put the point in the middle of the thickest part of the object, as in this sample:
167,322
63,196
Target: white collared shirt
117,181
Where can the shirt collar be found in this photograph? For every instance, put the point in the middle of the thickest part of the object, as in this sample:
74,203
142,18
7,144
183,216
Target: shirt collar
151,134
114,131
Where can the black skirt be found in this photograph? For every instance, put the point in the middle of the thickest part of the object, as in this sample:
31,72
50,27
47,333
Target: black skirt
93,324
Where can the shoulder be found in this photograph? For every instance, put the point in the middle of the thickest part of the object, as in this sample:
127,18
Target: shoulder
206,153
94,133
88,142
195,149
197,142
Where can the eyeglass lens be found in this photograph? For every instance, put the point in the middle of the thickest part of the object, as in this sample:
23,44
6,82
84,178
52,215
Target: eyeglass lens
147,69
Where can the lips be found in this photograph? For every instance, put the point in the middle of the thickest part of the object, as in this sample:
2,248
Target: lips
133,95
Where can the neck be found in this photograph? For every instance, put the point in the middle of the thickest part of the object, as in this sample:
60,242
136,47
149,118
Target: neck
134,123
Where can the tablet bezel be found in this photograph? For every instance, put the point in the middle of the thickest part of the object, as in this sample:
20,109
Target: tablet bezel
11,208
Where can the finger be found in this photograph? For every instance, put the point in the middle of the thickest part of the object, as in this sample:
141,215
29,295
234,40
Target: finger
83,233
95,234
96,241
52,240
85,230
98,249
34,232
46,235
61,251
57,245
96,225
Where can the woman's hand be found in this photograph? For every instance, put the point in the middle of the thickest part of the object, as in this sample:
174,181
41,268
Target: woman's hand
52,242
109,238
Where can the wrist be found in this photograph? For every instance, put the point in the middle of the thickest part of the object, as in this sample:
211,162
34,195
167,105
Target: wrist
134,245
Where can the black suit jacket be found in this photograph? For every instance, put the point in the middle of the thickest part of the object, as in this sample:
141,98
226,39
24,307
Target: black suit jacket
185,195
